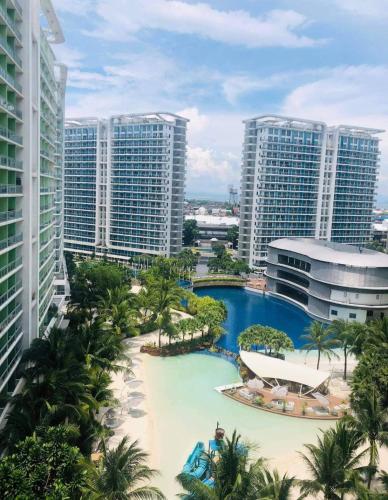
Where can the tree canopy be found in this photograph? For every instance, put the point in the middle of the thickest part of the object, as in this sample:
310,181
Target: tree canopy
190,232
260,336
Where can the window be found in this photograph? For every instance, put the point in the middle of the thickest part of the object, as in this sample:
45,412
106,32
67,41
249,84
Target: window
334,312
352,315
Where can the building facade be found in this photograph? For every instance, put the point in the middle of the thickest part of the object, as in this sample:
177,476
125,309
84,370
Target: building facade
329,280
124,185
301,178
31,109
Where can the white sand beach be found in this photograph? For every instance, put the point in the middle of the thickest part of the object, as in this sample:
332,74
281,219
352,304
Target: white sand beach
178,406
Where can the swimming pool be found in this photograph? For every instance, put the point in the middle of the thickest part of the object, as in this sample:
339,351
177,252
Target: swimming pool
247,308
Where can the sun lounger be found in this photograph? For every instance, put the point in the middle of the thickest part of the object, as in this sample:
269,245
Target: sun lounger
244,393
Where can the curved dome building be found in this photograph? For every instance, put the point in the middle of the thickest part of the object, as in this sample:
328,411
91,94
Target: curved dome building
329,280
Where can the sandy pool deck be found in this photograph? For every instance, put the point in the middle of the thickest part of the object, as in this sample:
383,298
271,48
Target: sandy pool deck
149,421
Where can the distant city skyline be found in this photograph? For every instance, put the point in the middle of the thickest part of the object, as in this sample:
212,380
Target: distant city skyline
219,62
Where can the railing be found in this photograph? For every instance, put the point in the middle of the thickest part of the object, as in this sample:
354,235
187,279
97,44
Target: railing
11,188
7,47
10,317
11,291
10,21
10,215
11,364
10,341
10,79
11,162
11,135
10,107
7,242
10,267
17,7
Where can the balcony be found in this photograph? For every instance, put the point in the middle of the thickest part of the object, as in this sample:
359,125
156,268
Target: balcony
15,336
10,80
5,270
11,316
11,365
6,161
8,134
11,189
10,292
10,51
11,215
10,22
11,108
12,240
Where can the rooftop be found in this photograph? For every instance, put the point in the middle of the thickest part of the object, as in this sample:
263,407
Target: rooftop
214,220
335,253
300,123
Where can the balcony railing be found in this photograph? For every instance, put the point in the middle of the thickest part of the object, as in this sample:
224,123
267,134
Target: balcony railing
12,315
6,161
7,242
11,135
10,215
12,363
11,188
11,340
11,291
10,267
10,50
10,107
10,22
10,79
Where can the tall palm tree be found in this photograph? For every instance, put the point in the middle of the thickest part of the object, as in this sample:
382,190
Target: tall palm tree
370,419
334,462
269,485
319,337
120,475
343,331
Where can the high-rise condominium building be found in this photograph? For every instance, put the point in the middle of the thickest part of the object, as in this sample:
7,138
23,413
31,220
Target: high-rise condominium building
124,185
31,154
301,178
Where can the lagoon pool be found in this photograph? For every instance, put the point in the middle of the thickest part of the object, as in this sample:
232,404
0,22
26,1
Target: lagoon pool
247,308
185,409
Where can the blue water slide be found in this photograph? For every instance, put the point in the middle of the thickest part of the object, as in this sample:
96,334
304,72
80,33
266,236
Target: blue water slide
193,462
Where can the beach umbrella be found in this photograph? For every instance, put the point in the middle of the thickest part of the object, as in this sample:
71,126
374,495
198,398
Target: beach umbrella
136,394
134,384
280,391
321,398
255,385
137,413
135,401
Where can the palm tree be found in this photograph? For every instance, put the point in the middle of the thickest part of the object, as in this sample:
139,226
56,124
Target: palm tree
119,474
269,485
333,463
120,309
235,479
343,331
319,337
370,419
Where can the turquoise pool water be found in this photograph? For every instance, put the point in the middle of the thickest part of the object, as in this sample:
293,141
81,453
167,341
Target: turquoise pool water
247,308
186,408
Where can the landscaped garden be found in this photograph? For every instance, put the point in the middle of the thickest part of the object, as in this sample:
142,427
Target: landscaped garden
55,421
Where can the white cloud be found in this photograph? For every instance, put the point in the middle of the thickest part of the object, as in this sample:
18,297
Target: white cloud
120,20
76,7
219,170
353,95
377,9
73,58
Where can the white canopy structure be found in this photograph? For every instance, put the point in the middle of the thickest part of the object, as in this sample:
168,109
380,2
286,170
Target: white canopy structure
265,367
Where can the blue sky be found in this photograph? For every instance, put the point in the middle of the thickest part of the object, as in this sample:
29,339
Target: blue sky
218,62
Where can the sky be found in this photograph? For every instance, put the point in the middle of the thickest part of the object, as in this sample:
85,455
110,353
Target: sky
218,62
